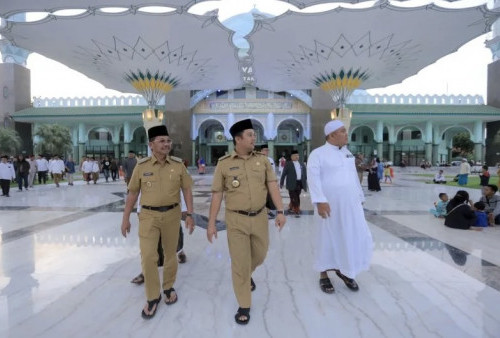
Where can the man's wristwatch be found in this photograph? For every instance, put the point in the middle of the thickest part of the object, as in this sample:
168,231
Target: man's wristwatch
280,212
189,215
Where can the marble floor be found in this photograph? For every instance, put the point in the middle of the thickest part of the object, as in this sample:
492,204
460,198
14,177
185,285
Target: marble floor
65,271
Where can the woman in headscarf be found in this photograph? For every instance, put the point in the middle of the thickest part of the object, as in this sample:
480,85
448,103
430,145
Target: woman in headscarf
373,181
459,212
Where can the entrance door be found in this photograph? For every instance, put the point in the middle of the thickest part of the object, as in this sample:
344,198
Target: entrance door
217,152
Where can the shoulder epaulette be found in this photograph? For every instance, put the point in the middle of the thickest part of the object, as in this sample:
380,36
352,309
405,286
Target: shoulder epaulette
176,159
142,160
224,157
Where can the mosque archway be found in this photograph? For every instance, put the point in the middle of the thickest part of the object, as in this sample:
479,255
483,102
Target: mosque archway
211,142
361,140
448,150
99,143
410,147
290,137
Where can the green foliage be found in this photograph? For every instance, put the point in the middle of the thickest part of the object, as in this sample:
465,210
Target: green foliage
54,139
462,144
10,142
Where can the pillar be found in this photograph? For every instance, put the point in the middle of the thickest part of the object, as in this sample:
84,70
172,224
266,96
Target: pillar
116,148
308,145
380,150
391,153
126,148
193,153
81,151
76,154
450,154
428,152
230,146
435,154
478,152
270,144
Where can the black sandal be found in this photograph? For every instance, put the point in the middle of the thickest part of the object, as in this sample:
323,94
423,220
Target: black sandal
167,294
242,312
349,282
252,285
151,304
326,285
139,279
182,258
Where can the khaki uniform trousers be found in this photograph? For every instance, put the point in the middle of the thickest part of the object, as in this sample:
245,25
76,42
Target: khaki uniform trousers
152,224
248,241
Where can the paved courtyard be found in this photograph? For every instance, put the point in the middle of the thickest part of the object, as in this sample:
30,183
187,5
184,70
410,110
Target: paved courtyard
65,271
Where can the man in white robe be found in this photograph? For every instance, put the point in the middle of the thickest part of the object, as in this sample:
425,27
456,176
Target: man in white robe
344,242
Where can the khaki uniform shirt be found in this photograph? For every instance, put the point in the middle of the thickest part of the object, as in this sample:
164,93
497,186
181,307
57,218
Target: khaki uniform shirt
252,175
159,184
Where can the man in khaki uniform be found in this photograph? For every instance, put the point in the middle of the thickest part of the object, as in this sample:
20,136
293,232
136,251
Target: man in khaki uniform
246,177
159,179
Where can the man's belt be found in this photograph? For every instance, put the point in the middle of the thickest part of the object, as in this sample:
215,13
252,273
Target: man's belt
162,208
248,213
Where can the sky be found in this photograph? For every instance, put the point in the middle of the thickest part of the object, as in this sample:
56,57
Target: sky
461,73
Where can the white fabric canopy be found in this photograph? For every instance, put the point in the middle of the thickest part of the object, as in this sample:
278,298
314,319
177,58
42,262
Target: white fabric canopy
390,43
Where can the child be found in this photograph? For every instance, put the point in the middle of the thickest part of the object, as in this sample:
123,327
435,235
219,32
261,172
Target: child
481,216
440,207
484,177
388,173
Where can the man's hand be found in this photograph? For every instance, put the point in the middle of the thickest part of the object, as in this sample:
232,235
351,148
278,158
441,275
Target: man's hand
280,221
189,224
125,227
211,232
324,210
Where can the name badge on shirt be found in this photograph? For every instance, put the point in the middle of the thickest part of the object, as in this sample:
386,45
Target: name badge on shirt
148,174
234,168
349,156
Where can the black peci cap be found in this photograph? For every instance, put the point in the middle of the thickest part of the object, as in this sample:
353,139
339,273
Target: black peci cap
240,126
160,130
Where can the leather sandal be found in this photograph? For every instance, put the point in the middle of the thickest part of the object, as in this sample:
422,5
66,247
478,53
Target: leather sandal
151,304
242,312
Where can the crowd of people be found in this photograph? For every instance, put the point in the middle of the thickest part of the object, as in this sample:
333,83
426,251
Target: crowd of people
27,170
462,213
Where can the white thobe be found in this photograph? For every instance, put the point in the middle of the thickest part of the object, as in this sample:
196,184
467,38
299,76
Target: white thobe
344,241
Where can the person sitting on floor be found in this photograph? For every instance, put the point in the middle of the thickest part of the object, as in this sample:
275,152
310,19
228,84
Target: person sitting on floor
459,214
481,216
439,178
439,210
492,203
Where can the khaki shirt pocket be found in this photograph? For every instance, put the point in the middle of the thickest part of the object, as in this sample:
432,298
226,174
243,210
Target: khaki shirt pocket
258,173
230,179
149,184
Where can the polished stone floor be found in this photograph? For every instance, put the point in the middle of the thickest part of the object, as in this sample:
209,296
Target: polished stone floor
65,271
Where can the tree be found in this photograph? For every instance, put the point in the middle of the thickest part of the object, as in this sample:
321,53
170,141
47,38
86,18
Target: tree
462,144
54,139
10,142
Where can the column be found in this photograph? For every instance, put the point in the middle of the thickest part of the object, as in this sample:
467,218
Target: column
391,153
230,146
450,154
270,144
126,148
81,151
193,153
76,154
380,150
117,150
428,152
478,152
308,145
435,154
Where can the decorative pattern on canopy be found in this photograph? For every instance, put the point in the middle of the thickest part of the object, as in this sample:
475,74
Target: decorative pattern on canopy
389,40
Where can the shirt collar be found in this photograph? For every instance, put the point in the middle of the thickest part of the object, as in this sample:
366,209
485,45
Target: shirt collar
333,146
234,154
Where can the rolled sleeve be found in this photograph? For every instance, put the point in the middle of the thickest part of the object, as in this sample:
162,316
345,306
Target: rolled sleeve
218,180
134,184
270,174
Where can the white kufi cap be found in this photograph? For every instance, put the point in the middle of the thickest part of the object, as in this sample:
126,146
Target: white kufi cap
333,125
